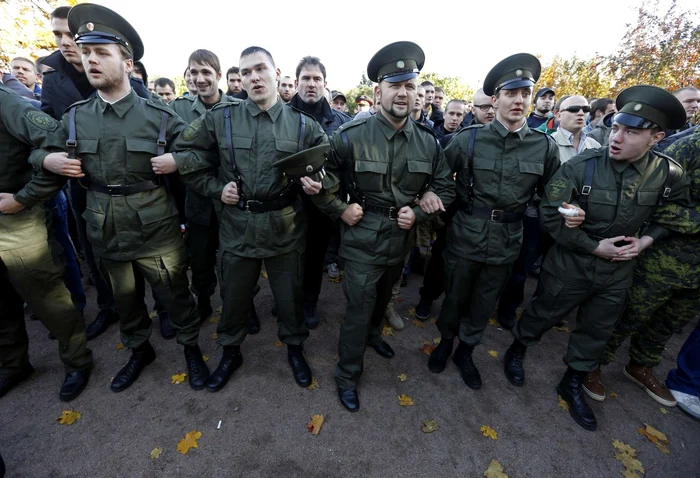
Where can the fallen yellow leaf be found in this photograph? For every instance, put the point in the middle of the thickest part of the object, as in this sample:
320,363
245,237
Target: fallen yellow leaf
495,470
155,454
494,323
613,395
402,377
278,343
68,417
405,401
387,331
437,340
205,358
190,441
263,273
627,458
427,348
153,315
214,319
664,411
418,323
314,384
412,312
489,432
178,378
314,426
334,280
119,346
429,426
433,320
493,353
656,437
563,404
563,329
214,336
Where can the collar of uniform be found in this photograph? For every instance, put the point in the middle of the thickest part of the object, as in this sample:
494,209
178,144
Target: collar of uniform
640,165
274,110
120,106
198,105
389,130
503,131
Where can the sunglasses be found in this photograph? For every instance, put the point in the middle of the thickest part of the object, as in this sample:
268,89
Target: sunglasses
485,108
576,109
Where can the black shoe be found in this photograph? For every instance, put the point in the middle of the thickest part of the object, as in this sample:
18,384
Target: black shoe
561,323
253,321
99,326
204,308
166,328
507,321
384,349
571,390
349,399
8,383
197,370
140,358
311,315
423,309
463,360
231,360
404,280
513,363
438,359
73,385
301,370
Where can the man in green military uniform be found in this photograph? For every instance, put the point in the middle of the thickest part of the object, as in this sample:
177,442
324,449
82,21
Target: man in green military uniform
617,190
261,217
30,263
498,168
385,162
132,222
665,293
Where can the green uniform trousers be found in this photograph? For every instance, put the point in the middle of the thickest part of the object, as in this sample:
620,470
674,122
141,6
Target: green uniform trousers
600,305
167,275
34,274
471,293
367,290
202,244
238,276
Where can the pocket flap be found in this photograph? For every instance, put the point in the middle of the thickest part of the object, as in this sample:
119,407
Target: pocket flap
371,167
94,218
240,142
603,196
531,167
159,212
488,164
286,145
647,198
142,146
415,166
87,146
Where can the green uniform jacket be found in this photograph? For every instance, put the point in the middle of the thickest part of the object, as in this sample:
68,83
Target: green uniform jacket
198,208
115,144
623,197
508,168
391,168
259,139
27,132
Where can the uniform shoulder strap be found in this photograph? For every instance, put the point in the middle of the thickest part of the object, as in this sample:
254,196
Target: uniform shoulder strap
71,143
587,183
675,171
302,131
161,134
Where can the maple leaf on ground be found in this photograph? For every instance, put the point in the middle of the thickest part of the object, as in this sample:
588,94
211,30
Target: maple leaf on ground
402,377
495,323
427,348
178,378
190,441
563,329
215,319
334,280
68,417
278,343
493,353
489,432
437,340
405,401
153,315
433,320
412,312
613,395
314,426
627,458
418,323
214,336
495,470
205,358
563,404
656,437
314,384
119,346
664,411
155,454
429,426
387,331
263,273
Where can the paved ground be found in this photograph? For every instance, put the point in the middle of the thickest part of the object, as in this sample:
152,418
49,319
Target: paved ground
263,413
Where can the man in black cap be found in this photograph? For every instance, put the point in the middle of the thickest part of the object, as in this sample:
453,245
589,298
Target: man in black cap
498,168
385,162
338,101
614,191
544,102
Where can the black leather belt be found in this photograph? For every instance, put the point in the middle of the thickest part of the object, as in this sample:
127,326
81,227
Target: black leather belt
124,190
390,212
495,215
251,205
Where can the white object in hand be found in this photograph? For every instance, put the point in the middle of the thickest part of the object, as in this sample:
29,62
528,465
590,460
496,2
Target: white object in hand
568,212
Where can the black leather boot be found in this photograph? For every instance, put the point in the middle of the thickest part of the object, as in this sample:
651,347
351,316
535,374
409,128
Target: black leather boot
513,363
463,360
230,361
301,370
349,399
438,359
8,383
140,357
571,389
197,369
253,321
384,349
73,385
99,326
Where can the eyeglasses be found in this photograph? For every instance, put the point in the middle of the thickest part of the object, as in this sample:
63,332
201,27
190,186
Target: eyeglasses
576,109
485,108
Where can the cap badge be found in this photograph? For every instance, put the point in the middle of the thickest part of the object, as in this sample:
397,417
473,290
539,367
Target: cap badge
400,64
637,107
309,168
90,26
518,72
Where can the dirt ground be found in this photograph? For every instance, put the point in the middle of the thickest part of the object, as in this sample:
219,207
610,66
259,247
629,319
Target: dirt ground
264,414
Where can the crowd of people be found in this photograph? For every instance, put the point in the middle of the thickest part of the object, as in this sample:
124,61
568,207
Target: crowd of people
599,197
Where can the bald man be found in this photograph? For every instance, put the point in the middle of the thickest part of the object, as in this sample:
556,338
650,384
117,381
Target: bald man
569,136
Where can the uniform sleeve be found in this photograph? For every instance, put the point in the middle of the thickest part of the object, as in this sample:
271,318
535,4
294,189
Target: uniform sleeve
329,200
441,184
563,187
454,153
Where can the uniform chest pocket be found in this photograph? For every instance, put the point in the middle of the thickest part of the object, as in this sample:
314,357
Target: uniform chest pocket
416,177
86,152
369,175
647,198
530,167
602,204
139,153
286,146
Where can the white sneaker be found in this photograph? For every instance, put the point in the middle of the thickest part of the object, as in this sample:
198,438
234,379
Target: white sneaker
393,318
333,271
690,404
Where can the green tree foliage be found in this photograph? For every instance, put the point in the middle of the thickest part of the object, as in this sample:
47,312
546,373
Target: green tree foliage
575,76
364,87
454,87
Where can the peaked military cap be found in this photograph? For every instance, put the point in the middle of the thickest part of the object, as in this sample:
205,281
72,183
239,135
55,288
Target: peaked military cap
396,62
364,100
516,71
645,106
309,162
95,24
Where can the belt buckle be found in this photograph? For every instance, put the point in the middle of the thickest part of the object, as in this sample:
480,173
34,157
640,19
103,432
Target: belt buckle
392,214
249,202
109,190
495,213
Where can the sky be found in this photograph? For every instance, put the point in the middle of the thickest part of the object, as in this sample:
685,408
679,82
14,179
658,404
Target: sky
459,38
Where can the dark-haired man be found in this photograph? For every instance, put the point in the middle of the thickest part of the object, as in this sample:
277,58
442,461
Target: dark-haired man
286,89
165,88
233,80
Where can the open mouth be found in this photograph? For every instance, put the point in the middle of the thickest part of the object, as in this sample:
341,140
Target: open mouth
614,149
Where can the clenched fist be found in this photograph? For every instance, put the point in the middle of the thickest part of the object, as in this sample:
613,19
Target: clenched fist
352,214
230,194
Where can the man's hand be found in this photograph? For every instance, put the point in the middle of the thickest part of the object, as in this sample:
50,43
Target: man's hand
164,164
58,163
311,187
407,217
573,222
8,204
430,203
230,194
634,247
608,250
352,214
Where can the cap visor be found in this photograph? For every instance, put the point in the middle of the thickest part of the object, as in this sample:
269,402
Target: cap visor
518,84
95,39
633,121
404,77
